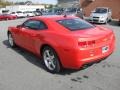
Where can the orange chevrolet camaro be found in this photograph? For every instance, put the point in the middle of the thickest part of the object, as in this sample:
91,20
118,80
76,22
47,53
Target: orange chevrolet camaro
63,41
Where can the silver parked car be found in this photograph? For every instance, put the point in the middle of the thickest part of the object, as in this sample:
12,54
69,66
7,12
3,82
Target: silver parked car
101,15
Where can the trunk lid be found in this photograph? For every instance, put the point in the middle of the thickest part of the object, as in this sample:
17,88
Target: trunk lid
96,36
96,32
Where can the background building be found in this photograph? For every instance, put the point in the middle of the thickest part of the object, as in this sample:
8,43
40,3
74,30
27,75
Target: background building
89,5
14,8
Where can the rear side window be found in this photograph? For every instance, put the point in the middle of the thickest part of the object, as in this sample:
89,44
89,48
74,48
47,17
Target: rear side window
75,24
34,24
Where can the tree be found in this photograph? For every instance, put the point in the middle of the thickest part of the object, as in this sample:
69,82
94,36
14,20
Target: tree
5,3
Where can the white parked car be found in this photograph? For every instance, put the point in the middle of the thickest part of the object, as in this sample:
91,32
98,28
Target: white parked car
19,14
29,14
14,13
101,15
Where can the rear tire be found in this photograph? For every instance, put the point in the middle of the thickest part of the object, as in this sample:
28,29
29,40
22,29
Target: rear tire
110,19
51,60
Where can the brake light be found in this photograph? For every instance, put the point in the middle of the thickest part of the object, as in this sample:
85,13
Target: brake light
91,43
86,43
82,44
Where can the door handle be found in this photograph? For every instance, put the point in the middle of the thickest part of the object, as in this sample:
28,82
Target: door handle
35,35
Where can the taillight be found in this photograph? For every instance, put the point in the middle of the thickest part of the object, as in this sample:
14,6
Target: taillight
82,44
91,43
86,43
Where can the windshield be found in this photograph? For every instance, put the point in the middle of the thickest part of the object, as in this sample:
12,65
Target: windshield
75,24
100,10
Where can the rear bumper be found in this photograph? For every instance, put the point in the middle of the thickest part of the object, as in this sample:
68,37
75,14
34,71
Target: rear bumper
78,58
93,59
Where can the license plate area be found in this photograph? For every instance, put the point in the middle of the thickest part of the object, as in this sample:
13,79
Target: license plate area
105,49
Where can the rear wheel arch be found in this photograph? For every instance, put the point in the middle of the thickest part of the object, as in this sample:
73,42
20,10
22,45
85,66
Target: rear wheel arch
47,45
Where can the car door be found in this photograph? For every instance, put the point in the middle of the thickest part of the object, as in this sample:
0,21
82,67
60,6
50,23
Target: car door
30,32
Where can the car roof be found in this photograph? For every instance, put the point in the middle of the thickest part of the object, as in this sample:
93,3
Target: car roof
54,17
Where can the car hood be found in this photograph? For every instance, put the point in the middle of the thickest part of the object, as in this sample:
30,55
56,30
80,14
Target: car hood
98,15
96,32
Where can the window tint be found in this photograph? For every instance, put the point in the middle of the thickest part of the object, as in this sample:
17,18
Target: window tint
34,24
75,24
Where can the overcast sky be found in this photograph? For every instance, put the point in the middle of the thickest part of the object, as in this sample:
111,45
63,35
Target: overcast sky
40,1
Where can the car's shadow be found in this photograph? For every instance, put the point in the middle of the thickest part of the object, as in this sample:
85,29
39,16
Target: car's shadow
113,23
30,57
27,55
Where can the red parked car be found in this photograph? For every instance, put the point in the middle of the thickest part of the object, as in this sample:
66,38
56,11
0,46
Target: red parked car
63,42
7,17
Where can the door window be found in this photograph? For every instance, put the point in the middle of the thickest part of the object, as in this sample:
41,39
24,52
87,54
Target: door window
35,25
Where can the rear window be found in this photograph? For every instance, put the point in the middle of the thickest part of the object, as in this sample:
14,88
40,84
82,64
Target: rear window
75,24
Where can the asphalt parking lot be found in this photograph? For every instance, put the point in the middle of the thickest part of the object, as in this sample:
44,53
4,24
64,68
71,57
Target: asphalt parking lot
21,70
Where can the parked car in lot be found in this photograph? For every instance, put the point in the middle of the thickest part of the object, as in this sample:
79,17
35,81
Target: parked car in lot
101,15
7,17
67,42
37,13
29,13
19,14
75,12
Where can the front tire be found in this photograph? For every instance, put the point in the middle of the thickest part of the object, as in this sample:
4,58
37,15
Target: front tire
51,60
106,21
11,40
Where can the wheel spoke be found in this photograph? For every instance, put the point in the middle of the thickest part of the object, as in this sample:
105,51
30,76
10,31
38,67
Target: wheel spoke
48,53
53,65
48,64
